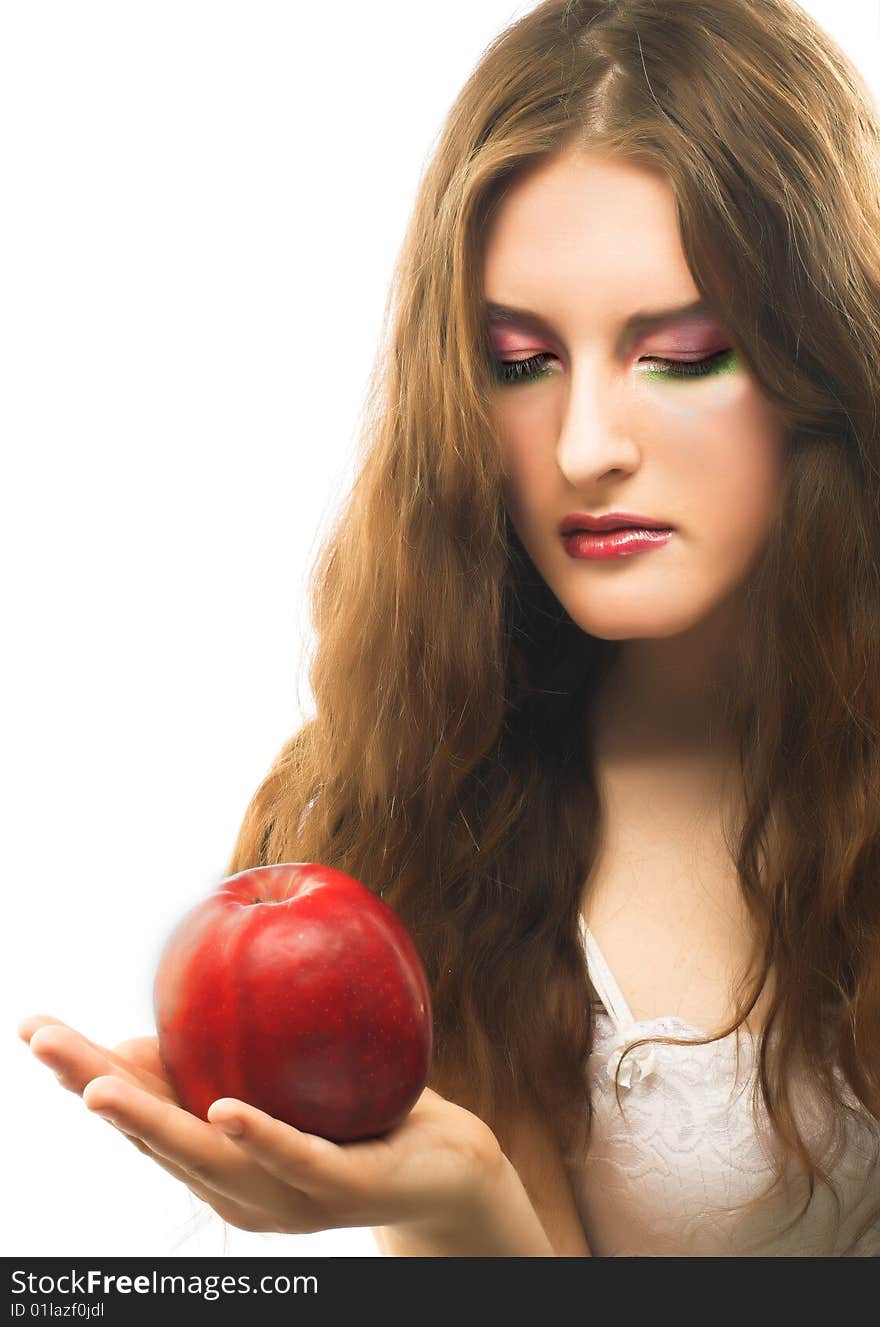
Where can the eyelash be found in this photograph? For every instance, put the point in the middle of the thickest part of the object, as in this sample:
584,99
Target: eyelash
520,370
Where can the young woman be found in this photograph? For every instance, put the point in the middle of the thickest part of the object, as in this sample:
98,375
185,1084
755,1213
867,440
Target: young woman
624,789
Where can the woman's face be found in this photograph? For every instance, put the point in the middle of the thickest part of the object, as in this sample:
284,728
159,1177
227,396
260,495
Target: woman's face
584,246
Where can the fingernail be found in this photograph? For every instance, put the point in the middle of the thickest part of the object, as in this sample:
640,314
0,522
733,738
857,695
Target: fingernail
231,1127
108,1115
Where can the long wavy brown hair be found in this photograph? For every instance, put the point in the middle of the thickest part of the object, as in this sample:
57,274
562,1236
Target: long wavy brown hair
445,765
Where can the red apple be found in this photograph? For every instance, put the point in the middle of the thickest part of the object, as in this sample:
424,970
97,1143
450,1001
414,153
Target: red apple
298,990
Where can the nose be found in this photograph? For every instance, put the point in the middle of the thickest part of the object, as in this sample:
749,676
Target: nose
594,438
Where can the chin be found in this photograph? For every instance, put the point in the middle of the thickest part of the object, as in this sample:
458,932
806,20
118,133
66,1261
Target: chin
628,622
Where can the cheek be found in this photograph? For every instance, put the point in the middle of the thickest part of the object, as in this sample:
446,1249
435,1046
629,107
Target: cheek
732,473
520,499
529,469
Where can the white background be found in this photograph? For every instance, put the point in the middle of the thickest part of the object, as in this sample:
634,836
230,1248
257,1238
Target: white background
202,203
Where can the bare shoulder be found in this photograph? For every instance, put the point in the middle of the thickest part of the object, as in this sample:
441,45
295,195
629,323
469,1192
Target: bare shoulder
534,1153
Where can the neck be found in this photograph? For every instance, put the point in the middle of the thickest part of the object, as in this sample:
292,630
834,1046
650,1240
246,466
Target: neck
663,695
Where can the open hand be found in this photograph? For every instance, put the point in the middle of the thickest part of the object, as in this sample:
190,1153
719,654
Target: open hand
262,1175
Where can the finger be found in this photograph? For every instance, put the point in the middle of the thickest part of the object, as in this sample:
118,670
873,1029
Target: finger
183,1176
142,1055
76,1060
143,1052
304,1161
244,1217
28,1026
183,1139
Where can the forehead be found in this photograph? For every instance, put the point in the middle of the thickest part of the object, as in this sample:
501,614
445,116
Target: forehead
580,227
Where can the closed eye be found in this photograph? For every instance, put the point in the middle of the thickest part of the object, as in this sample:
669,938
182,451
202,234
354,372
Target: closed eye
536,366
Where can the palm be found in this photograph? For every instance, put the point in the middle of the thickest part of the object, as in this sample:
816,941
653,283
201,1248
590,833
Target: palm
275,1178
137,1060
431,1139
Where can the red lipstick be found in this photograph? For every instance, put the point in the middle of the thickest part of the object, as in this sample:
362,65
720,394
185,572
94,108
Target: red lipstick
616,534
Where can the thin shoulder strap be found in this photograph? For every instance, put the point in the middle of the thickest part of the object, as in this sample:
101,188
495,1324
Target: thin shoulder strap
603,981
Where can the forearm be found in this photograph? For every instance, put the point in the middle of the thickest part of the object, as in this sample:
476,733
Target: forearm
502,1224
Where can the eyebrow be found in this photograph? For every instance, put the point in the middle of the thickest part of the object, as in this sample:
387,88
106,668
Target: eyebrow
645,318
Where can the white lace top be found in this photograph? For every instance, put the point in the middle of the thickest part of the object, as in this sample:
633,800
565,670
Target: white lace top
663,1174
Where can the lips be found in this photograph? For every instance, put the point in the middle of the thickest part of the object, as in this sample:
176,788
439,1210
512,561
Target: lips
584,523
604,529
602,545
